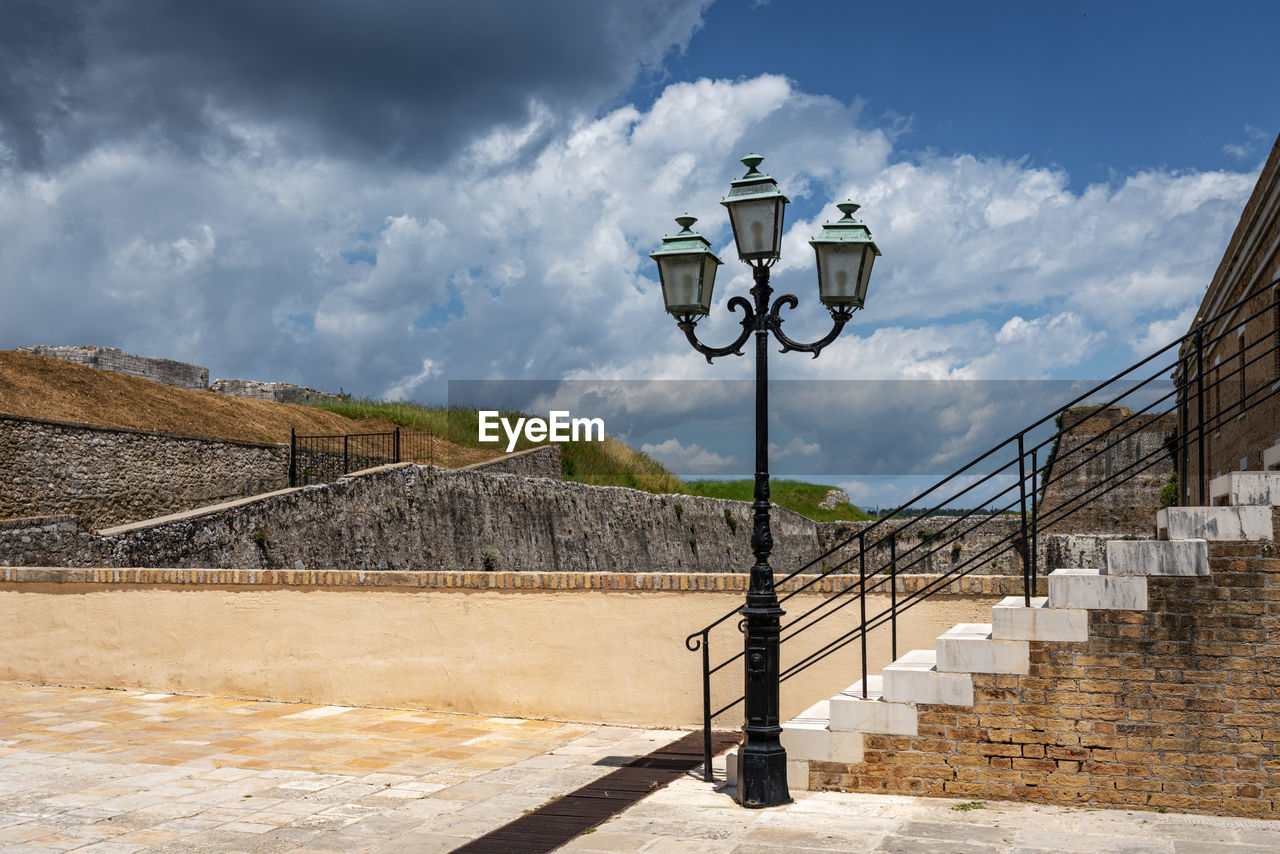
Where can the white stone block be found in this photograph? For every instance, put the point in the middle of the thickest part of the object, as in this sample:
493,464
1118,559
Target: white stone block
731,767
914,678
1158,557
969,648
1090,588
850,712
797,775
1238,488
1271,458
1012,619
1235,524
808,736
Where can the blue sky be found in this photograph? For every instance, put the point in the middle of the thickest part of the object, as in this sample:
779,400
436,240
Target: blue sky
387,197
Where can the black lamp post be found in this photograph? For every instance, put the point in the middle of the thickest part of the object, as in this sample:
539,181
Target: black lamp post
687,269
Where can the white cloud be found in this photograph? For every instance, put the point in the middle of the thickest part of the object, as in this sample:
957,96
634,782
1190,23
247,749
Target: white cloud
404,388
797,447
691,459
510,264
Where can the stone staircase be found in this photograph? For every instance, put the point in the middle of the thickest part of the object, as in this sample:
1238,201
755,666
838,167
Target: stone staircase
833,730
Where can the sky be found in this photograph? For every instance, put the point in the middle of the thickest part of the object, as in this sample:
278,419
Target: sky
386,197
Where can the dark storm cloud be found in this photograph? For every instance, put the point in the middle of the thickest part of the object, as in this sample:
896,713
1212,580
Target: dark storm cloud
394,80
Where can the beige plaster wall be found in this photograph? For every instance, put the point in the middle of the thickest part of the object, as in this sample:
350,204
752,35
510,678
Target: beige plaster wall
604,656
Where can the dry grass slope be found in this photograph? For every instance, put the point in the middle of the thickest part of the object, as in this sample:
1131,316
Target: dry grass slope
44,387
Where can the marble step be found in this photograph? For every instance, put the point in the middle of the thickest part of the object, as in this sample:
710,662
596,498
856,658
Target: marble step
1012,619
851,712
970,648
808,736
1158,557
1236,524
1090,588
1246,487
915,678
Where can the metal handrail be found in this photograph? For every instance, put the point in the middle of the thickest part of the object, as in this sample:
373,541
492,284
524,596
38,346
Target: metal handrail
1188,384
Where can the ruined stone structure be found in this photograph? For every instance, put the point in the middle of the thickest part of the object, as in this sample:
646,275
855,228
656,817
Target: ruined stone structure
164,371
275,392
108,475
535,462
409,517
1128,508
1237,364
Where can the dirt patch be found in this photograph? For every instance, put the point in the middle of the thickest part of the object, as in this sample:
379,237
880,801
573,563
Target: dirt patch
44,387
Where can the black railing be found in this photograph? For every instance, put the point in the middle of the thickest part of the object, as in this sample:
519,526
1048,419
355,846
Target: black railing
1002,482
323,459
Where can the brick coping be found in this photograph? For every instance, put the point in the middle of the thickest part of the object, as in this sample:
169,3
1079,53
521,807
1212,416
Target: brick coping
711,582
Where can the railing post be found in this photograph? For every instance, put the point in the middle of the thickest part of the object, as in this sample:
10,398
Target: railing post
397,444
346,457
862,603
1026,542
1035,514
293,457
893,593
706,707
1200,473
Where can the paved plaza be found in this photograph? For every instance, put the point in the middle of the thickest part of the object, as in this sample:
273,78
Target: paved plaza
114,772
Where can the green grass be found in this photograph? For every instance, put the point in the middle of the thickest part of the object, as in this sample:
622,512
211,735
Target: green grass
607,463
795,495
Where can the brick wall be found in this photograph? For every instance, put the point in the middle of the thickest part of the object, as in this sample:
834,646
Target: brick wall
166,371
109,475
1176,707
1248,265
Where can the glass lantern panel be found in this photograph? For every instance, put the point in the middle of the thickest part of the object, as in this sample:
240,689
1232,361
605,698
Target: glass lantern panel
755,227
708,281
680,280
841,268
865,278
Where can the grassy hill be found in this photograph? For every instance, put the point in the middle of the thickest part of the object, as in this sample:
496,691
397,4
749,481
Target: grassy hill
44,387
797,495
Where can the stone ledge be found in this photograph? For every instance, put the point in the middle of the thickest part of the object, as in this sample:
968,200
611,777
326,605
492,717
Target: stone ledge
136,431
987,585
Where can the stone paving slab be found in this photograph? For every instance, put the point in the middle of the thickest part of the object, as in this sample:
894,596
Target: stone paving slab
693,816
115,772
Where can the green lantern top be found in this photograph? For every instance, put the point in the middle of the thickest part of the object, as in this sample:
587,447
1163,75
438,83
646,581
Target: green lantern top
685,242
846,229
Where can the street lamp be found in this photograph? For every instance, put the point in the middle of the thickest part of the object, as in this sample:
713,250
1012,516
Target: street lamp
687,268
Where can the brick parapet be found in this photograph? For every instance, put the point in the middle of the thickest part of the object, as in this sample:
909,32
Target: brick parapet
1176,707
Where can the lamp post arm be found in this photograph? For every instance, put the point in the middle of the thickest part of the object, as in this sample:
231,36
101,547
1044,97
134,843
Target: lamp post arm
840,316
735,349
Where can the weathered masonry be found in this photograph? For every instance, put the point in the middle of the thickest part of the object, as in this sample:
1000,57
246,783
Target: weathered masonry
1238,361
165,371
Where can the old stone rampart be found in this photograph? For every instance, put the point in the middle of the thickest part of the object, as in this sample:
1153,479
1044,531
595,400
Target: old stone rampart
410,517
1129,507
165,371
535,462
275,392
107,475
930,544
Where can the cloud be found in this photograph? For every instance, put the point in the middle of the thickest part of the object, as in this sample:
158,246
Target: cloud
1255,139
399,81
404,388
691,459
524,255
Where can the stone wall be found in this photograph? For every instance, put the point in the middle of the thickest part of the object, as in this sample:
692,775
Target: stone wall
275,392
410,517
109,475
165,371
535,462
931,544
1131,506
1175,707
